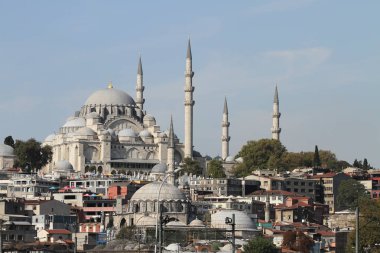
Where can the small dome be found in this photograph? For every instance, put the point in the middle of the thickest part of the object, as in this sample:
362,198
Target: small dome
173,247
242,220
127,132
50,138
226,248
162,135
110,96
146,221
149,117
85,131
196,223
93,115
149,192
75,122
6,150
159,168
230,159
63,166
175,224
145,134
239,159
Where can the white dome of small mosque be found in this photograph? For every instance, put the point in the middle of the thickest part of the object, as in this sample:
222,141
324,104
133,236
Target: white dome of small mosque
6,150
127,132
196,223
242,220
159,169
145,133
110,96
226,248
230,159
149,192
93,115
50,138
63,166
75,122
85,131
173,247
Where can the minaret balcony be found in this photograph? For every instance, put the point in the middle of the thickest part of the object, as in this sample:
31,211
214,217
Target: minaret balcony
189,89
225,124
226,138
189,103
276,115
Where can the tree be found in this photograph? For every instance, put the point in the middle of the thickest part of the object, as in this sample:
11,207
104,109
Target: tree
356,164
126,232
365,164
316,160
9,141
261,154
298,241
31,155
350,192
215,169
191,167
369,223
260,245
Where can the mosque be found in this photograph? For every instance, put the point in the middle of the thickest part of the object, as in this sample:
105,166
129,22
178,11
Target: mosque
112,132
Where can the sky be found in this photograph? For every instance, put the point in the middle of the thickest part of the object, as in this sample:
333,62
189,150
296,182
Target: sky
323,55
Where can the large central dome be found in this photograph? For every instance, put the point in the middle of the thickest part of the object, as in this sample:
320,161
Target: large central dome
110,96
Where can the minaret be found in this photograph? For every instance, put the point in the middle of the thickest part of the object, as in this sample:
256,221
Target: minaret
171,147
140,87
225,132
267,209
189,103
276,130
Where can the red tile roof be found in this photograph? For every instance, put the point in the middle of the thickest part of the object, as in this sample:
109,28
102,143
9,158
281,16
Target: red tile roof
58,231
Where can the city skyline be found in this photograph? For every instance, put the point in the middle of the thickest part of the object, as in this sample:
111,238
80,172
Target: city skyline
54,56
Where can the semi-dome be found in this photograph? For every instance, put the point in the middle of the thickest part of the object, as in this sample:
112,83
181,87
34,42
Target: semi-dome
63,166
50,138
75,122
127,132
110,96
86,131
145,134
242,220
149,192
159,168
196,223
6,150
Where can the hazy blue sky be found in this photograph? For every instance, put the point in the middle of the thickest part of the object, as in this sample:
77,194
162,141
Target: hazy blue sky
324,55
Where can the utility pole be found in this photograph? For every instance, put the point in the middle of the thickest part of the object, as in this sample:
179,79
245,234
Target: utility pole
231,222
357,230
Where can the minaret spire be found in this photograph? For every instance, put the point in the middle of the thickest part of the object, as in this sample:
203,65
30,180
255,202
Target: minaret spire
140,87
189,103
276,130
171,148
225,132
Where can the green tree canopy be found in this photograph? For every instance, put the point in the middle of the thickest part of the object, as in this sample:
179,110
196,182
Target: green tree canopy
350,192
261,154
191,167
369,223
31,155
260,245
215,169
9,141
